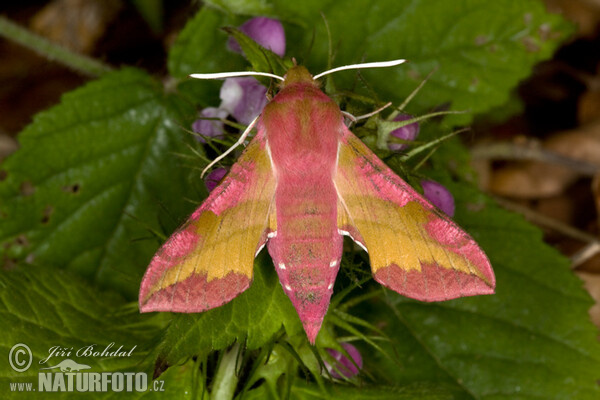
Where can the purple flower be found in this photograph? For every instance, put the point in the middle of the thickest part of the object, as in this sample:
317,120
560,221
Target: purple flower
207,127
265,31
213,179
407,132
439,196
343,363
244,98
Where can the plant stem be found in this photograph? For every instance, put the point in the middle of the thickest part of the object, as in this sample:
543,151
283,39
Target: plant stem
225,379
50,50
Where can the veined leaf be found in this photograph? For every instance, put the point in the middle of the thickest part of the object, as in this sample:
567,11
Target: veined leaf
477,50
95,179
47,309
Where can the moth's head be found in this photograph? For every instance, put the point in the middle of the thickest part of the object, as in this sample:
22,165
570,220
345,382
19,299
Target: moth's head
297,74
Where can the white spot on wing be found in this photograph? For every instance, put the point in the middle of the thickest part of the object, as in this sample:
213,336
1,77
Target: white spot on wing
362,246
346,233
288,287
271,235
333,263
281,266
259,249
330,286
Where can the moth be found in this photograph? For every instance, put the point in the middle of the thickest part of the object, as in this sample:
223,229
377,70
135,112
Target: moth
302,183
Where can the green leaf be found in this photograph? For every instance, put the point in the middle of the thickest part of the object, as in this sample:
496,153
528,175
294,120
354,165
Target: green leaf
96,179
255,317
202,46
531,340
478,49
180,382
303,390
43,308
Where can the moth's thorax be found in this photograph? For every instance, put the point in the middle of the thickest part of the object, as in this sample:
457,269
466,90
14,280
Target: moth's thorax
303,126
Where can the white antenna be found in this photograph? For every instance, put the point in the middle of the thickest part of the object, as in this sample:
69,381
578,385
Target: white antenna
378,64
236,144
221,75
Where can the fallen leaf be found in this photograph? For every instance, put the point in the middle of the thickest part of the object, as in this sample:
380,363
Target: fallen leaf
592,285
76,24
533,179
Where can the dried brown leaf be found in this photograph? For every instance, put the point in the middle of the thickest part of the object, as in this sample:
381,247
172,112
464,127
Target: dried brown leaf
540,179
592,285
76,24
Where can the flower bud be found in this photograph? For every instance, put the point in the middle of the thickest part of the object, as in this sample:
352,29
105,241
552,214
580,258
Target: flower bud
344,365
265,31
439,196
244,98
208,127
213,179
407,132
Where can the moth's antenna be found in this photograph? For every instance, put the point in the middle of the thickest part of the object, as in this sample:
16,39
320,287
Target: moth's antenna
378,64
355,119
380,109
236,144
221,75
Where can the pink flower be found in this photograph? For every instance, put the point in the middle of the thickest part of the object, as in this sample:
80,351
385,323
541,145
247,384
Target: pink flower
343,364
407,132
213,179
265,31
439,196
244,98
207,127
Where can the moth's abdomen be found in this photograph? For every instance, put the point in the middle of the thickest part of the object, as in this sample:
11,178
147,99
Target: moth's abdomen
307,247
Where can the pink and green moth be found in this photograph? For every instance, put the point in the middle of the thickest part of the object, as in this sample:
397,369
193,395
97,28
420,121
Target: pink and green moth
301,184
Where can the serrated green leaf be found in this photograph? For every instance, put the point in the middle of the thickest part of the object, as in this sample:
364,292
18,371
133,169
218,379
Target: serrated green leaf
94,178
253,317
43,308
478,49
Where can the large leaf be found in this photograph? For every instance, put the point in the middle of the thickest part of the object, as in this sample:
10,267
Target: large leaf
42,309
477,49
95,178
